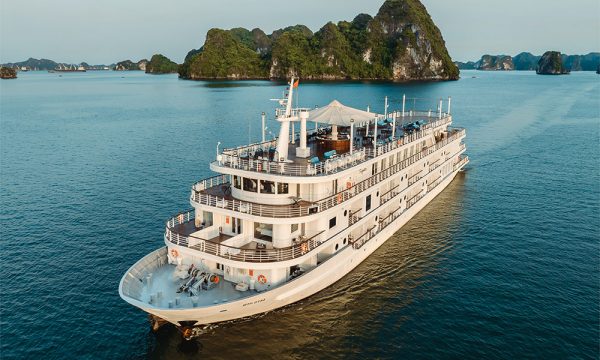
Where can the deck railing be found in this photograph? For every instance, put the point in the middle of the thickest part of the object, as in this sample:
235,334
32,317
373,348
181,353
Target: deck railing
291,252
200,196
239,158
236,253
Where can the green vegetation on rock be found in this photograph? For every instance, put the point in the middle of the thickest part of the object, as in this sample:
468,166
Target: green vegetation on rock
400,43
551,63
160,64
223,56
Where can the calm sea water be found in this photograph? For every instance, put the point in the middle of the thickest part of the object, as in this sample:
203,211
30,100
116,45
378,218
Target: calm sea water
503,264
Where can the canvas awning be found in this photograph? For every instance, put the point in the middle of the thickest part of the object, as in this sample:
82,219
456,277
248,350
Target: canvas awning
339,114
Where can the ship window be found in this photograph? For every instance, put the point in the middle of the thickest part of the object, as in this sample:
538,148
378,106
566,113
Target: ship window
294,227
282,188
250,185
237,183
337,246
345,213
374,169
332,222
267,187
368,203
345,241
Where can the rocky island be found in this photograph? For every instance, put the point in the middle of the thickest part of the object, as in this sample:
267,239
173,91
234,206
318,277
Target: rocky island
7,73
400,43
528,61
128,65
160,64
551,63
500,62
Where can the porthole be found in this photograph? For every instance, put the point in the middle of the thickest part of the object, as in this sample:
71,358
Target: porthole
377,193
345,241
337,246
425,181
376,218
345,212
404,197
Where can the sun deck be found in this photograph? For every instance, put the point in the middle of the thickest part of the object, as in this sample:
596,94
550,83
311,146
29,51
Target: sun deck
261,157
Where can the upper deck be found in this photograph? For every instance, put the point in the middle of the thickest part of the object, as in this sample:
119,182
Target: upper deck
259,157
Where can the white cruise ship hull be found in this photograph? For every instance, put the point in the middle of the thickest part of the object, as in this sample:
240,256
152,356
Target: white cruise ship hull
297,289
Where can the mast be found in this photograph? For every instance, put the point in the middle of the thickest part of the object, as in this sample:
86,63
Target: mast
284,119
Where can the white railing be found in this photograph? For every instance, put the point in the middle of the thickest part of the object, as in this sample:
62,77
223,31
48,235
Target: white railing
201,197
240,157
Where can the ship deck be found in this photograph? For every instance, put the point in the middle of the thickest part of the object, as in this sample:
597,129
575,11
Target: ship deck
163,287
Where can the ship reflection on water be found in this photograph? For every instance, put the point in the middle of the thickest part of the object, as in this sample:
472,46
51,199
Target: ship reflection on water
349,315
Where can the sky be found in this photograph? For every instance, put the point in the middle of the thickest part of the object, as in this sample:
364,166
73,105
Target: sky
108,31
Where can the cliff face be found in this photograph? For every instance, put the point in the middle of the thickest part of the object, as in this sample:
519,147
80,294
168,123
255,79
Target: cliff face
551,64
127,65
400,43
495,62
160,64
7,73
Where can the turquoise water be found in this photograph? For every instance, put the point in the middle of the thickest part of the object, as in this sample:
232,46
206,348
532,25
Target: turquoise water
503,264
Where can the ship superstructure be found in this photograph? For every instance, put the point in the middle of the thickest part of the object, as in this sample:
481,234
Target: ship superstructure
287,217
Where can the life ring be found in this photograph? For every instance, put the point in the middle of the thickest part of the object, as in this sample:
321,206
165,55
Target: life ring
174,253
339,198
262,279
214,279
180,217
304,248
348,184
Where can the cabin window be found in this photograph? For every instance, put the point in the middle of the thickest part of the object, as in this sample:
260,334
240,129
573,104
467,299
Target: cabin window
250,185
294,227
282,188
398,159
383,164
374,169
332,222
237,182
267,187
337,246
368,203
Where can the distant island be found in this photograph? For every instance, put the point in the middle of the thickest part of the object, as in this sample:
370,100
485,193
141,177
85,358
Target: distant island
551,63
400,43
160,64
528,61
7,73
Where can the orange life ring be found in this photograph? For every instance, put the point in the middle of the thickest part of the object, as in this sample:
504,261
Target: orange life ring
348,184
180,218
339,198
262,279
214,279
174,253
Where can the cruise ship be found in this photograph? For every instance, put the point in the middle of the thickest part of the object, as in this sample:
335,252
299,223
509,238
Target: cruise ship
288,217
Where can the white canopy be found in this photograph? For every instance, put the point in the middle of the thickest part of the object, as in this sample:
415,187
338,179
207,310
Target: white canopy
339,114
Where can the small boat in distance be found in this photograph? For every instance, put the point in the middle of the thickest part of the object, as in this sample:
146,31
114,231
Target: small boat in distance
286,218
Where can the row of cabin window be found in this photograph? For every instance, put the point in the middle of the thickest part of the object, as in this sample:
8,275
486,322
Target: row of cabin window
266,187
